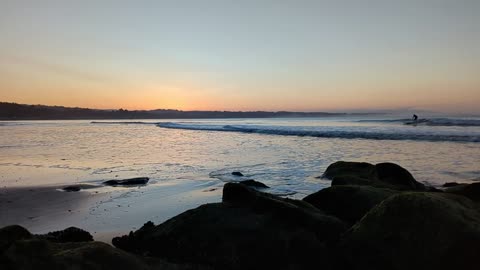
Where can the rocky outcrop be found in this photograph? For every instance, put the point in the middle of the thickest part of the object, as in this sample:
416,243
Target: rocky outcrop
128,182
248,230
420,230
383,175
372,217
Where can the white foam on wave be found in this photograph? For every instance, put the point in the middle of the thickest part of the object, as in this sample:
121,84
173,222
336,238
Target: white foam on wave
446,122
331,132
123,123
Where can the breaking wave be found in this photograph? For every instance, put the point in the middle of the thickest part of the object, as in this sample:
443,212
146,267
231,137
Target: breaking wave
326,132
446,122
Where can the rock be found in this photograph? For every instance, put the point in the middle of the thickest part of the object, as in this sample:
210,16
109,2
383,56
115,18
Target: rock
248,230
348,203
78,187
397,176
70,234
253,183
128,182
471,191
42,254
12,233
237,173
383,175
415,230
71,188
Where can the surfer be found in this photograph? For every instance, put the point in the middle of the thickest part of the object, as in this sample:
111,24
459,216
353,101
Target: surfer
415,117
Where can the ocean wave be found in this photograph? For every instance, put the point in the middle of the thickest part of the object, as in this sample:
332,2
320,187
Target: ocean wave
123,123
344,134
446,122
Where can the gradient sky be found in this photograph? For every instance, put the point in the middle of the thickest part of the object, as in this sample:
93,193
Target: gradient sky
242,55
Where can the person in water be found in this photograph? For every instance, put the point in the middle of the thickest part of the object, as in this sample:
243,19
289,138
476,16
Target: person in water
415,117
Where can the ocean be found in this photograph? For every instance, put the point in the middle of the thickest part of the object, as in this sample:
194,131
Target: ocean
287,154
188,162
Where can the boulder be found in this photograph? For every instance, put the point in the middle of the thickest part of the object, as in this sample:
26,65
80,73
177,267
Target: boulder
139,181
348,203
383,175
397,176
237,173
414,230
248,230
471,191
253,183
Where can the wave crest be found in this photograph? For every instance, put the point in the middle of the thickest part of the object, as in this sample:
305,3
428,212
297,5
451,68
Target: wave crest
350,134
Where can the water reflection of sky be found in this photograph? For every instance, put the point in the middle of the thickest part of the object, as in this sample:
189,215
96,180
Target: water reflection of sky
48,152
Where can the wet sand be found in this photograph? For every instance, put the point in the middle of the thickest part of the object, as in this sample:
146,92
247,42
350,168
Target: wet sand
104,211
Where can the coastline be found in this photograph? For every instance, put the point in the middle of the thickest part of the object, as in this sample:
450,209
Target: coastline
104,211
373,216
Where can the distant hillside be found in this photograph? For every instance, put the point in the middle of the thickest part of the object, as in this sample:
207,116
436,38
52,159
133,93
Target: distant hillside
14,111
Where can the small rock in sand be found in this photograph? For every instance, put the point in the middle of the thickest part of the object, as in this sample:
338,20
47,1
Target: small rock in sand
71,188
127,182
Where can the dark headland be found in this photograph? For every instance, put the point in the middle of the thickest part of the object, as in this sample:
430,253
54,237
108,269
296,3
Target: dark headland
372,217
14,111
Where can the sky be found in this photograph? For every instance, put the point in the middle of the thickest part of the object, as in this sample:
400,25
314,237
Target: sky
242,55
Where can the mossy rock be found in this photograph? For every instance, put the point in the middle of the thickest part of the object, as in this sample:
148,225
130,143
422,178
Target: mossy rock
415,230
349,203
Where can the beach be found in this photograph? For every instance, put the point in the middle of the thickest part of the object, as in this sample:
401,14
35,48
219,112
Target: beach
104,211
373,216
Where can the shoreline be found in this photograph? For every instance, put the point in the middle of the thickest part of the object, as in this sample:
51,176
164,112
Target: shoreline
104,211
373,216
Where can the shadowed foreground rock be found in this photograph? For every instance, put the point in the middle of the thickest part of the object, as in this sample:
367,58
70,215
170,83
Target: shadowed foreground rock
248,230
349,203
415,231
471,191
21,250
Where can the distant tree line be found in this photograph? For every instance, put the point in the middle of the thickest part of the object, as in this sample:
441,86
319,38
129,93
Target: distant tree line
14,111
